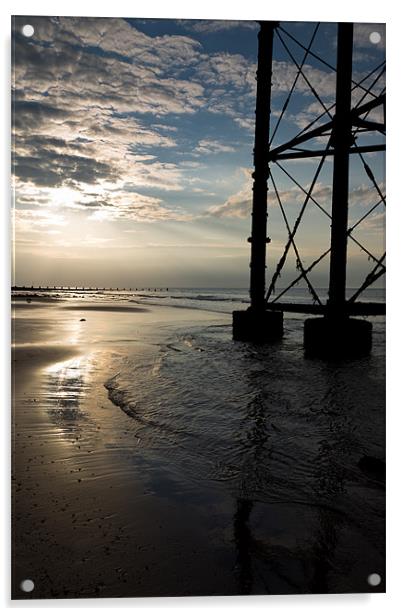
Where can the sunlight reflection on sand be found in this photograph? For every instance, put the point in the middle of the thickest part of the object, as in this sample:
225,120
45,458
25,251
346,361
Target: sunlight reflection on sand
67,383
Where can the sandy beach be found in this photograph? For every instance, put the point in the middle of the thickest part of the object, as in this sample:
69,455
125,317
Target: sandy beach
89,522
122,494
198,305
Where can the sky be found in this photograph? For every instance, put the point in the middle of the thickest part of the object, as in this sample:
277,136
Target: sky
133,142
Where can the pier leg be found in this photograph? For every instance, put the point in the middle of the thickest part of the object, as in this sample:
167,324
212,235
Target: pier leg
256,323
336,334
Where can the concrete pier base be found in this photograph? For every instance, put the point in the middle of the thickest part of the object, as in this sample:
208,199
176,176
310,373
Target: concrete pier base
331,337
257,326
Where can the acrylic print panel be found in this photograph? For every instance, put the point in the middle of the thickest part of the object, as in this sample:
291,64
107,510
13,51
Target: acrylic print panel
188,420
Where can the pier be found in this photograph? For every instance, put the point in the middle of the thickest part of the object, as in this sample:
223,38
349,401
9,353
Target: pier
41,288
334,331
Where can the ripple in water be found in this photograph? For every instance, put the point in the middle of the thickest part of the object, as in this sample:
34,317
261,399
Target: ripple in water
262,421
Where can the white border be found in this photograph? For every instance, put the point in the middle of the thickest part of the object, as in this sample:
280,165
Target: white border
292,10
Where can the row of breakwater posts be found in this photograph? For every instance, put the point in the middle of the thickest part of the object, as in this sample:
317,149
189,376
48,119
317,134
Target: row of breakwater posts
332,332
78,288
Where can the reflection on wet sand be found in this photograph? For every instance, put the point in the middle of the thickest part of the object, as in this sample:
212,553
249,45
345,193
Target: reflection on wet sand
310,557
65,387
243,542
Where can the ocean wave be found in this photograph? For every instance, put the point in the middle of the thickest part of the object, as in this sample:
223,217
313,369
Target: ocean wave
208,298
197,298
147,295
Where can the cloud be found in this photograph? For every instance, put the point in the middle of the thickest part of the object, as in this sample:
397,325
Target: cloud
375,223
48,168
211,146
33,221
206,26
94,106
132,206
75,95
222,70
246,123
191,164
239,205
284,73
108,61
77,85
365,195
230,88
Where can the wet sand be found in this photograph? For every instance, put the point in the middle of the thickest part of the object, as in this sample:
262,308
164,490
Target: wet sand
101,509
88,520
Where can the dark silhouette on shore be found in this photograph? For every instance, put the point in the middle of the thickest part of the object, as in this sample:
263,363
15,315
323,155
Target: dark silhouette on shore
335,333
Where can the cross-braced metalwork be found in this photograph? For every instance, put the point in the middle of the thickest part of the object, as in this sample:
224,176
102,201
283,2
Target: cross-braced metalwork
351,126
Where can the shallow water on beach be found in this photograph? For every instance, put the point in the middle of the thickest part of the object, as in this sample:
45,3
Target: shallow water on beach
247,455
268,426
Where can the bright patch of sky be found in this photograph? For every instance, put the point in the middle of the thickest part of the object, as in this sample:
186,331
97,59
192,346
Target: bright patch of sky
133,145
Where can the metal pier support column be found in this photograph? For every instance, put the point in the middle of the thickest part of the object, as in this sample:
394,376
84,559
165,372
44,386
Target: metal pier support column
336,334
257,323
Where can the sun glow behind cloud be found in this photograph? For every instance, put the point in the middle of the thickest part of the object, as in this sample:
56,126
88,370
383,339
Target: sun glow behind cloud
126,129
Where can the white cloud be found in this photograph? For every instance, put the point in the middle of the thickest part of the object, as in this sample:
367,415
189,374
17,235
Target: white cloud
78,84
211,146
375,223
206,26
237,205
33,221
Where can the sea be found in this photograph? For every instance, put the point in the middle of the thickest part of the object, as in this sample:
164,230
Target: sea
211,299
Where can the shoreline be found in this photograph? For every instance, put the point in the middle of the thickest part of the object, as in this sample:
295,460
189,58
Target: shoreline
73,476
113,504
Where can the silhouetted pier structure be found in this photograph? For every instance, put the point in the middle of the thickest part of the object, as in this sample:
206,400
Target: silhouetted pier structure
42,288
335,332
